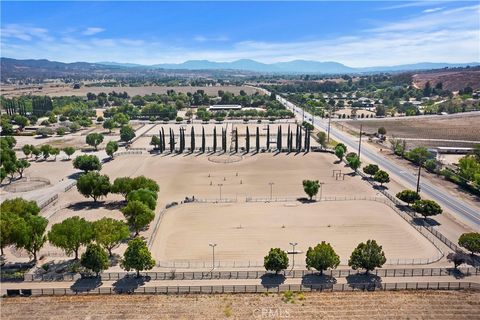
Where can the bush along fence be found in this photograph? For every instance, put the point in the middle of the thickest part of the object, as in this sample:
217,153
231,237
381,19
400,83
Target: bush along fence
257,274
253,288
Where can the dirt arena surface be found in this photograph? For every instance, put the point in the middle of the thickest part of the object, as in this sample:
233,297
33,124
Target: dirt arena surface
452,127
66,90
329,305
246,231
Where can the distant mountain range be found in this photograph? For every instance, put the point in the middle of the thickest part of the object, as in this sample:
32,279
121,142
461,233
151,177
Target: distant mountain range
13,68
294,66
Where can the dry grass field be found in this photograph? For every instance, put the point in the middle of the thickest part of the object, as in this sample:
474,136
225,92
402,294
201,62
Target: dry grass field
67,90
342,305
452,127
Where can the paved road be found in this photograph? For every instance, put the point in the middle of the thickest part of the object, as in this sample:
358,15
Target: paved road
454,205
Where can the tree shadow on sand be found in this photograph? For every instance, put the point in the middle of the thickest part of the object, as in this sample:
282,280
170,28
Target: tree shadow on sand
129,283
91,205
318,282
422,221
86,284
364,281
272,280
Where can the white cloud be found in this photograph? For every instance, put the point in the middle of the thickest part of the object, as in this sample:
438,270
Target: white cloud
200,38
432,10
92,30
25,33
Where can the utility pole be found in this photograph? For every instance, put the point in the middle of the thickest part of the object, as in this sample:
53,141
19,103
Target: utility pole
293,244
213,245
418,178
360,142
328,134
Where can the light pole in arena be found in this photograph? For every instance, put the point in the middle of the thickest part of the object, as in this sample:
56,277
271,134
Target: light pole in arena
293,244
213,245
271,190
220,189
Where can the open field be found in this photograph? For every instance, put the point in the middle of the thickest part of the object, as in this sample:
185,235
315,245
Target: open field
452,80
328,305
454,127
67,90
246,231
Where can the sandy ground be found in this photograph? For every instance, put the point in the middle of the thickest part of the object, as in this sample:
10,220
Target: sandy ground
246,231
338,305
66,90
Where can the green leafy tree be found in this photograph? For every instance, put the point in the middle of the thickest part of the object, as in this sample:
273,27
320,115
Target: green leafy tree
93,185
27,150
87,163
340,150
427,208
155,142
8,228
322,257
137,257
470,241
381,177
69,151
276,260
311,187
21,165
109,124
418,155
109,233
145,196
94,139
408,196
71,234
127,133
31,234
111,148
21,207
382,131
122,185
354,163
55,152
367,256
121,119
46,151
142,182
21,121
138,215
371,169
95,259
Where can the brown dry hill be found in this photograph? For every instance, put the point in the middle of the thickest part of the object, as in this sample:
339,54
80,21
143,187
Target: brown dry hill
342,305
452,80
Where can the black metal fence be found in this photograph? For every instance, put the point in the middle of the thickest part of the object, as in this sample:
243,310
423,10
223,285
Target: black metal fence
334,287
207,275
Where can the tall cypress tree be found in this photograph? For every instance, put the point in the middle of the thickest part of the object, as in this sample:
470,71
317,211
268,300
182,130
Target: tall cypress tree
236,140
257,142
192,140
268,137
163,140
214,139
203,139
172,141
247,141
279,139
300,139
288,138
160,138
296,139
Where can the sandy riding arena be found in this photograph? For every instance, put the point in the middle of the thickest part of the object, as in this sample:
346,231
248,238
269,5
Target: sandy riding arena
246,231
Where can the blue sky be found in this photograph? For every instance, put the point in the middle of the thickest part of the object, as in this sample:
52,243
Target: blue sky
358,34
